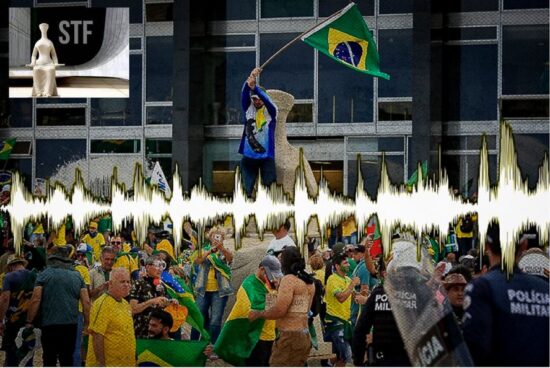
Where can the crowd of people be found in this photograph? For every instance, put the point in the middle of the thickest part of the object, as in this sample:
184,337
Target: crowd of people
89,298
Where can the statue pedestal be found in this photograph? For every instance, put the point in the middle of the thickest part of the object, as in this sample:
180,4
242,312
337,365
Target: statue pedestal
287,157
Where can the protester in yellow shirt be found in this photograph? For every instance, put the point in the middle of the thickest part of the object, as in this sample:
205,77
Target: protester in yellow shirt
94,240
338,294
123,258
112,339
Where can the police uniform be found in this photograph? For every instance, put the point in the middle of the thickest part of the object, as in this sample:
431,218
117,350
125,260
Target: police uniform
388,347
506,320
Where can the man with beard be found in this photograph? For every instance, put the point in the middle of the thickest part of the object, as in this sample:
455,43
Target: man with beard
294,298
160,324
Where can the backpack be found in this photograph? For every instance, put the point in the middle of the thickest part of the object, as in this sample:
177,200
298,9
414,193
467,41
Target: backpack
317,298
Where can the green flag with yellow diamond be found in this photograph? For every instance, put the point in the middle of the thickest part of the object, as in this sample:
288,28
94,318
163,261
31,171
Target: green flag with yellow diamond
6,147
346,38
170,353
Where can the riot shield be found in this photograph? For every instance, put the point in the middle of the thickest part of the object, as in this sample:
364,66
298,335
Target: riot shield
421,310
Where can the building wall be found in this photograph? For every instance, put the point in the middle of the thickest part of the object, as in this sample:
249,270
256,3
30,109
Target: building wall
493,65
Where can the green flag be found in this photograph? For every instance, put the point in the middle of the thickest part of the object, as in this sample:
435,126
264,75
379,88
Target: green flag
347,39
170,353
6,147
239,336
414,177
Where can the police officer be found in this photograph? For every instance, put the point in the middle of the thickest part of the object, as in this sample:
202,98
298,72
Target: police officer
506,316
387,348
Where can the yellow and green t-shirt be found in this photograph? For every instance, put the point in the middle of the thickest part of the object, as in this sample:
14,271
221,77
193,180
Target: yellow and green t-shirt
97,242
113,320
337,284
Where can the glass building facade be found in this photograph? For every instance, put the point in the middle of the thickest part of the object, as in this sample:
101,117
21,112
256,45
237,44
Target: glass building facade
487,62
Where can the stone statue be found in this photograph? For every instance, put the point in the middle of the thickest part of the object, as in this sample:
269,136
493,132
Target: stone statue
287,157
43,68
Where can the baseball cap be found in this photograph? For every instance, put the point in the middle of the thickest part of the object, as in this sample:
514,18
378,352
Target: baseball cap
93,225
14,258
272,267
83,248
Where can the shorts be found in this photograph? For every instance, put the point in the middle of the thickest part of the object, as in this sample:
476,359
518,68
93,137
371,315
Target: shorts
291,349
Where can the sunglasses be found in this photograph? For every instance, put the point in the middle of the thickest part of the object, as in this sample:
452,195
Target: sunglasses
116,243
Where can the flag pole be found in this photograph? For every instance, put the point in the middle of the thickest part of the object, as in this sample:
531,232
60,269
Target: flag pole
295,39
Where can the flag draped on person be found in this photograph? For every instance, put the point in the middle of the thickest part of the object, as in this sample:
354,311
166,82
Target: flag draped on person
6,147
170,353
239,335
346,38
176,288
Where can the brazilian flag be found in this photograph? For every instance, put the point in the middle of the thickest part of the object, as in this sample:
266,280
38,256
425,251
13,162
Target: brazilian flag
176,288
170,353
239,336
346,38
6,147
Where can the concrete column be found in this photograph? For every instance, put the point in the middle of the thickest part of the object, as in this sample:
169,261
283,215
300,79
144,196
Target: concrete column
187,133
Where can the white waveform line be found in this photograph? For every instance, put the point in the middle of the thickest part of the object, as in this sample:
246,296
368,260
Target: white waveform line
428,205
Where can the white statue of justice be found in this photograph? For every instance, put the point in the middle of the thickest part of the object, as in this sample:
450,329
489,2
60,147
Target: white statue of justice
43,68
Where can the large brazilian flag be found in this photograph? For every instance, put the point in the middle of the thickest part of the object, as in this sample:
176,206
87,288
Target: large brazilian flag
170,353
346,38
239,336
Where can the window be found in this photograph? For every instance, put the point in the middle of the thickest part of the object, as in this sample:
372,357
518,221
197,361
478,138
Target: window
471,82
329,7
470,142
525,4
293,71
394,111
160,54
158,146
370,144
395,49
162,12
20,113
345,96
229,71
370,168
245,40
223,177
300,113
286,8
115,146
160,150
135,43
333,173
530,150
396,6
463,172
22,148
233,10
525,60
159,115
525,108
121,111
60,117
57,158
457,6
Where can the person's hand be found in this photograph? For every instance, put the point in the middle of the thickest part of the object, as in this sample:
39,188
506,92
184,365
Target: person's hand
208,350
355,281
251,81
254,315
160,301
255,72
361,299
369,339
369,243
